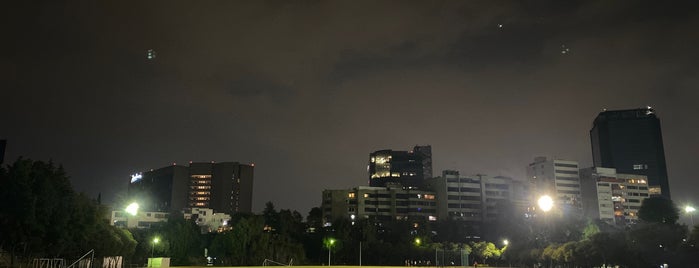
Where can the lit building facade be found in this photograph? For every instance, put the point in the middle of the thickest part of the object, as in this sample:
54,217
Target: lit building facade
631,142
381,203
224,187
142,219
409,168
557,178
207,220
612,197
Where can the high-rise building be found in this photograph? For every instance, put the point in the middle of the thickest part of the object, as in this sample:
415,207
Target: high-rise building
558,179
426,152
3,143
612,197
409,168
631,142
224,187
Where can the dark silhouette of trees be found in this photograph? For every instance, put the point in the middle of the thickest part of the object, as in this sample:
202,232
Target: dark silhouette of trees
658,210
41,215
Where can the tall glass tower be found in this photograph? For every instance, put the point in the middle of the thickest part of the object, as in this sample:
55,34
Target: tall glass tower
631,142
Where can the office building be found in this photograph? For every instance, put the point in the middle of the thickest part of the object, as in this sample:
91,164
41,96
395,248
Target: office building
142,220
476,199
612,197
409,168
224,187
3,143
558,179
393,202
207,220
631,142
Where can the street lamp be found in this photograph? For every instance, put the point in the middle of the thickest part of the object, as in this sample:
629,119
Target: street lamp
155,241
329,243
505,242
417,241
132,209
545,203
690,210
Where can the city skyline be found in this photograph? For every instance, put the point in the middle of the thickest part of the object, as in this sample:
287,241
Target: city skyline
306,91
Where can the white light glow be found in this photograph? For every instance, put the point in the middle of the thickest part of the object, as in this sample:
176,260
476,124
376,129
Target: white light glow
132,209
545,203
136,177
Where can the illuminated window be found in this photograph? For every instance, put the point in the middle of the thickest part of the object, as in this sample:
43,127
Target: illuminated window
351,195
429,196
366,195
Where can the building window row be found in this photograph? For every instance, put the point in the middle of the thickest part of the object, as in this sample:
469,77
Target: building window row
565,165
568,185
567,178
497,186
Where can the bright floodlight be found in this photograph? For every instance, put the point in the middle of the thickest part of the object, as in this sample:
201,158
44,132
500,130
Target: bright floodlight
545,203
506,242
689,209
132,208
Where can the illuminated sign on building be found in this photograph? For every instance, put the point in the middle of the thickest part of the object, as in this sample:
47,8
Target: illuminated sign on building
136,177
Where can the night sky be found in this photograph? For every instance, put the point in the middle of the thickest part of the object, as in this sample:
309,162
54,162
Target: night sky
307,89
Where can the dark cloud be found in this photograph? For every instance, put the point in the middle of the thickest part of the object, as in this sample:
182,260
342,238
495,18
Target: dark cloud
306,89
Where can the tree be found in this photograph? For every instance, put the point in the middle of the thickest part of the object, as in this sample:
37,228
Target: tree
659,210
48,219
183,240
485,250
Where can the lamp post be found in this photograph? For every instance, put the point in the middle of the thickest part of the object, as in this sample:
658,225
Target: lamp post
152,249
330,242
545,203
690,210
131,212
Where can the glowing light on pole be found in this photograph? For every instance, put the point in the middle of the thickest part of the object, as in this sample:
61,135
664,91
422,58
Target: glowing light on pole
155,241
330,242
132,209
545,203
690,210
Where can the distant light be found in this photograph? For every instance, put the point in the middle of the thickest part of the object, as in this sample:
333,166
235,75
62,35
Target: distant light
506,242
150,54
689,209
253,164
156,240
